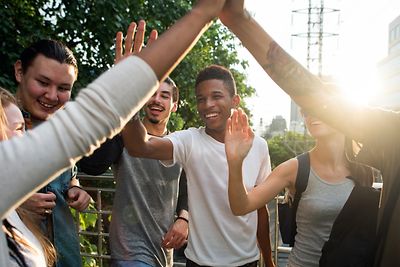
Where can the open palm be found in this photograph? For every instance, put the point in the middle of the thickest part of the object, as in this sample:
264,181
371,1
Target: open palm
238,136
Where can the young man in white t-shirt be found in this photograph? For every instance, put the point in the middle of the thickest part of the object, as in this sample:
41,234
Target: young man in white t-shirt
216,236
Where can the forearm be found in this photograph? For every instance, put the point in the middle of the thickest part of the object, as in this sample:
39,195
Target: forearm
307,90
182,195
74,182
98,112
236,190
170,48
101,160
290,75
135,137
263,236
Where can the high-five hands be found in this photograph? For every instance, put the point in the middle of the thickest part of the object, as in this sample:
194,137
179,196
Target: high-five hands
238,136
134,40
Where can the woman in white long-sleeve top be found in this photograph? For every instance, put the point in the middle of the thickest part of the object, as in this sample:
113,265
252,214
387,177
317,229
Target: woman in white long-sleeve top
99,111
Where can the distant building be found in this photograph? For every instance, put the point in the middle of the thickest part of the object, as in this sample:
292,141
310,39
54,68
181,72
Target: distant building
389,70
277,127
296,120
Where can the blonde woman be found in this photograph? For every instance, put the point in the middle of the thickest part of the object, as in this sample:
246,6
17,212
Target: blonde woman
27,245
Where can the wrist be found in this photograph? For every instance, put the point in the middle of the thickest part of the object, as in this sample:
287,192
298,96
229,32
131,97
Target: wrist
203,15
182,218
77,186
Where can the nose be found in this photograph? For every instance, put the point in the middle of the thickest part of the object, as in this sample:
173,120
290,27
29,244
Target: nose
52,93
209,103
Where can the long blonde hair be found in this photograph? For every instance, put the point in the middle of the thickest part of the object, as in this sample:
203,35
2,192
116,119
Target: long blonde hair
6,98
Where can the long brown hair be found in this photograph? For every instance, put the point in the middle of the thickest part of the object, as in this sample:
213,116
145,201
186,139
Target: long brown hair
361,174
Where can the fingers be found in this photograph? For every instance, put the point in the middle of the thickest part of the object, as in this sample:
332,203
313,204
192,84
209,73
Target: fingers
118,47
40,203
153,36
139,37
78,199
134,40
176,235
130,35
174,241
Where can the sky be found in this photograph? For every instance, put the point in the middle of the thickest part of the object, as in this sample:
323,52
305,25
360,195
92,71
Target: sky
362,27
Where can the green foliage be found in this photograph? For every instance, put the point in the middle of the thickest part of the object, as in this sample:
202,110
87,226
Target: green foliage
87,222
89,28
287,146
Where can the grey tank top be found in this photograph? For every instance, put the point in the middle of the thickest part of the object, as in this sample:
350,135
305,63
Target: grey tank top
318,208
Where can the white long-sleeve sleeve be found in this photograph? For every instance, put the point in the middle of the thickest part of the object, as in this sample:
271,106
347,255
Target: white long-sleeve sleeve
99,111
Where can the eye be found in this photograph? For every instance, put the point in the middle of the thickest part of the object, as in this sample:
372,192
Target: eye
20,128
199,99
43,83
64,89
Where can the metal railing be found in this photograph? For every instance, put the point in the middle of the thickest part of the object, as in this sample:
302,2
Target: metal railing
95,236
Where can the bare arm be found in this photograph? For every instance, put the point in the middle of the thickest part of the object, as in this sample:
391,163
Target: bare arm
172,46
238,141
307,90
263,236
139,144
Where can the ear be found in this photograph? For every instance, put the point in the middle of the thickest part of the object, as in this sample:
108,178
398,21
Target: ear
174,106
236,100
18,71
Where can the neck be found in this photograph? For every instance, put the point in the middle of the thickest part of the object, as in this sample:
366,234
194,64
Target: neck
157,129
217,135
330,150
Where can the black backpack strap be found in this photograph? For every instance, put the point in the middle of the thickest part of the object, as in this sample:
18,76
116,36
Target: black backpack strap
303,172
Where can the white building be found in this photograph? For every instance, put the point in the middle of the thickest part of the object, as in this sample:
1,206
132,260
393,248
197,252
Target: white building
389,70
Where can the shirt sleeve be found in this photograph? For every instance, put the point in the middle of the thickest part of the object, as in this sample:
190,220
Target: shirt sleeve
99,111
102,159
182,196
182,144
265,168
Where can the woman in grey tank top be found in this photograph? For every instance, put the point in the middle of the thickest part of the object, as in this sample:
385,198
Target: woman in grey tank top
330,184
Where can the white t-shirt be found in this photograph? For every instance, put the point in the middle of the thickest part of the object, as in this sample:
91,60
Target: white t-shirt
216,236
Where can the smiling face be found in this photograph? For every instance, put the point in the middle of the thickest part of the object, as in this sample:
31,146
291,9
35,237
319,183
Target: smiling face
159,107
45,86
15,121
214,104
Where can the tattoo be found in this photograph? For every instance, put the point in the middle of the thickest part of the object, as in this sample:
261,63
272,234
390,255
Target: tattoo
291,76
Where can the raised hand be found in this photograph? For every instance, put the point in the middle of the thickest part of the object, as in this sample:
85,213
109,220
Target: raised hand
134,40
238,136
231,11
210,8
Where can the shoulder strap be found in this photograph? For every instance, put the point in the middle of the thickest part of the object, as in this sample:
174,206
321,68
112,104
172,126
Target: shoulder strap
303,172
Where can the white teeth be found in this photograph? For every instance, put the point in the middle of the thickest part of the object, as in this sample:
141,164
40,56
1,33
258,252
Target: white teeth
46,105
211,115
156,108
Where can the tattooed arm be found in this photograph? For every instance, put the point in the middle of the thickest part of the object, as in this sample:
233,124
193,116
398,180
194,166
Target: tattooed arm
307,90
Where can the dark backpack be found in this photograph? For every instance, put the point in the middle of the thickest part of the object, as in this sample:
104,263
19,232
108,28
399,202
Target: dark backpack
287,211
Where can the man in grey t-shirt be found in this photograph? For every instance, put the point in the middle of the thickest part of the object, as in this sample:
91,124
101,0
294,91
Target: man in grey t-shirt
143,231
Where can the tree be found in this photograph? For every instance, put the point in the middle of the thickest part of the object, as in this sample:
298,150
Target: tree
89,27
287,146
